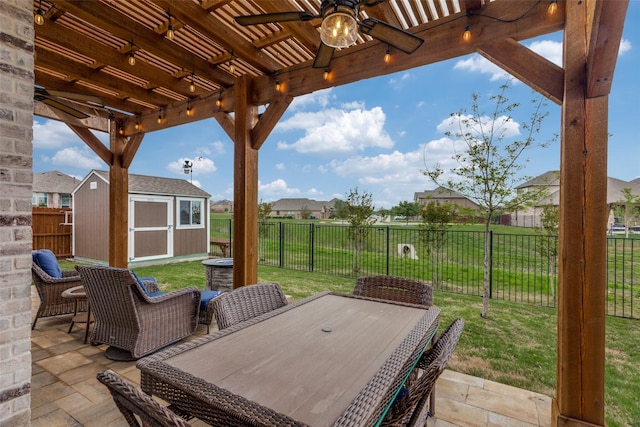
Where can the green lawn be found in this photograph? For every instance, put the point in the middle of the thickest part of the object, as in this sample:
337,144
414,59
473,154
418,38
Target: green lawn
516,345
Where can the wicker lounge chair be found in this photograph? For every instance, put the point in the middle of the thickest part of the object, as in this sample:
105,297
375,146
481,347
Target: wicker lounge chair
50,291
247,302
131,318
132,401
412,408
392,288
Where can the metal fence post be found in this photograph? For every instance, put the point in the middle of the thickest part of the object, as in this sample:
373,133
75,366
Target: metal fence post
281,241
311,245
387,238
490,263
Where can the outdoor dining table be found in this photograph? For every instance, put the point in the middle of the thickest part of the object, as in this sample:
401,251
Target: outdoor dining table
327,360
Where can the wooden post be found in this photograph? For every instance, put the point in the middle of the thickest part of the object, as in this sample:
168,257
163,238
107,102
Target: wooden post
579,397
245,188
118,202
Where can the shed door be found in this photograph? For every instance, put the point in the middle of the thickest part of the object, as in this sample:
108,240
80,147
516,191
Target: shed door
150,227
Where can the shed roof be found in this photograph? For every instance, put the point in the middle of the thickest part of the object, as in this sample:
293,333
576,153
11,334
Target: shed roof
144,184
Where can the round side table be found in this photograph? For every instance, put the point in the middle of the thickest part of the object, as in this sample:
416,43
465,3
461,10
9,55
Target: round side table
78,293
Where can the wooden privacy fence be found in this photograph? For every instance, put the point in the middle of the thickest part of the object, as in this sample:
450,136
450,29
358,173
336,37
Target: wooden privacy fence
52,230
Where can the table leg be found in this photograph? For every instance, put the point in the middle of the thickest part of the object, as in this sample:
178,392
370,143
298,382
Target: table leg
75,313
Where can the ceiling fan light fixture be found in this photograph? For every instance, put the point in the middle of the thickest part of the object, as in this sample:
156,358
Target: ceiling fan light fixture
339,28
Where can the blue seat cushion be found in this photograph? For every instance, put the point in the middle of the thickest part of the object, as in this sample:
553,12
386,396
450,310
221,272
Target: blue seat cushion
46,260
148,279
206,297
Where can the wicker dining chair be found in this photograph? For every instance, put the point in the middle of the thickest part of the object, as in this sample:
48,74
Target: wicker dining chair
132,401
131,318
247,302
50,288
412,408
393,288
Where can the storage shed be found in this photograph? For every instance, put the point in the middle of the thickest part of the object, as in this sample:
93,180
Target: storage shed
167,218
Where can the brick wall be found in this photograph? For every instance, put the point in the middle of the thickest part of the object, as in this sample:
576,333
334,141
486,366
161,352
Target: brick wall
16,176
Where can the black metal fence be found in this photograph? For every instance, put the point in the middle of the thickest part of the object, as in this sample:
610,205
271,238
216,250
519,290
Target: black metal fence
522,267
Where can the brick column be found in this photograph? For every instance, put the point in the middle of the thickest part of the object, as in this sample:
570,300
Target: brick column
16,176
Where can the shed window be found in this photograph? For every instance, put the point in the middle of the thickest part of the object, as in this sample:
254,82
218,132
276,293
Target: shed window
190,213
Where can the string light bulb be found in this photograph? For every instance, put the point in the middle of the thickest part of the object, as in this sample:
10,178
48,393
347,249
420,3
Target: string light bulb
159,119
170,32
132,58
326,74
552,8
219,102
466,36
192,85
189,110
38,18
278,85
137,125
387,56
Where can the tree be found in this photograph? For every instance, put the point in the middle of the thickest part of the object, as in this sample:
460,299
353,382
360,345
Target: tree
488,167
407,209
436,219
358,208
627,209
340,209
547,243
305,212
264,209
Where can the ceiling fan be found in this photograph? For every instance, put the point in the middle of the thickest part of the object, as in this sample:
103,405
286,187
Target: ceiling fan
339,27
53,99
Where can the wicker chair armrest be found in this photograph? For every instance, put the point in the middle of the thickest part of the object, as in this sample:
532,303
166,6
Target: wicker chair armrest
66,276
70,273
150,286
189,290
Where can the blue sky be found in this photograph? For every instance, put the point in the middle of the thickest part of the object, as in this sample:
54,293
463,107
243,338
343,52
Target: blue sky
377,134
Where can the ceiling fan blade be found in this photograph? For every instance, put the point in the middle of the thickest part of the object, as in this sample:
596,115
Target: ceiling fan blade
323,56
393,36
62,107
83,97
268,18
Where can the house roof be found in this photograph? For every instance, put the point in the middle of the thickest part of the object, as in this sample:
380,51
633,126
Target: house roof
296,204
438,193
54,182
144,184
549,178
614,189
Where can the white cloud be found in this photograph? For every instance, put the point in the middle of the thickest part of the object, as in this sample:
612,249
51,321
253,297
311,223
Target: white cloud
201,166
504,126
337,131
52,134
218,147
280,166
276,189
549,49
322,169
625,46
353,105
77,158
320,97
420,104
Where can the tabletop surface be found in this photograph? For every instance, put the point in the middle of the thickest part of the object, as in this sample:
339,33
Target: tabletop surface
75,292
308,363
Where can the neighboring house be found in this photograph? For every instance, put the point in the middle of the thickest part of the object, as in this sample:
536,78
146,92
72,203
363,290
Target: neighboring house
52,189
443,195
222,206
296,208
167,218
530,216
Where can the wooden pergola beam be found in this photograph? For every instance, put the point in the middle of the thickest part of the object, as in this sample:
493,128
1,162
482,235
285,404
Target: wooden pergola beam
527,66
